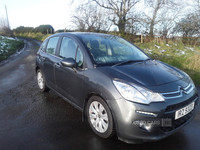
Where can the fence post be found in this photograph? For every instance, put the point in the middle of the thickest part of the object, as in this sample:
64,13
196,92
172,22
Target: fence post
195,41
141,38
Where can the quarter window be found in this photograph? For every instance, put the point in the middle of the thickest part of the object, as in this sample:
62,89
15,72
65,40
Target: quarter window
79,58
51,47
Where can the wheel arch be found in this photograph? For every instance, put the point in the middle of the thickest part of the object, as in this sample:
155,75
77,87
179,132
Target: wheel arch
87,97
36,69
84,113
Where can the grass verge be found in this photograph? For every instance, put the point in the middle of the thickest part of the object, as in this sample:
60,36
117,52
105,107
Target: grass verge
9,46
37,36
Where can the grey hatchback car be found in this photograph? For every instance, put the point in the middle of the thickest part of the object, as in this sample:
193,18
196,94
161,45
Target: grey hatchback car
118,87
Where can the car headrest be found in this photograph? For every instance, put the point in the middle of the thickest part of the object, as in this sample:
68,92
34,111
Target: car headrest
94,44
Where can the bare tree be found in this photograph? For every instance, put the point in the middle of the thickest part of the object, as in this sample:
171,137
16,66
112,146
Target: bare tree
189,26
160,12
170,19
197,5
90,17
79,22
119,9
5,29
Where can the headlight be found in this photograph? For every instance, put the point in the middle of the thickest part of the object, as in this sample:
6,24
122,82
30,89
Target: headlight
137,94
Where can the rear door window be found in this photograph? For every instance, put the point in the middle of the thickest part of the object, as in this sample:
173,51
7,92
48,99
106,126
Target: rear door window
42,47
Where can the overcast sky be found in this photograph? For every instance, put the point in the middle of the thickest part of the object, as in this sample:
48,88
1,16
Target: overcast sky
32,13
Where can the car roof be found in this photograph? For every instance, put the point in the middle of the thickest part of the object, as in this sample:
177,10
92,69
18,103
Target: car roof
83,33
77,34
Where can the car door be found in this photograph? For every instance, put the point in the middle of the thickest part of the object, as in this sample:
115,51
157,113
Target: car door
69,81
49,60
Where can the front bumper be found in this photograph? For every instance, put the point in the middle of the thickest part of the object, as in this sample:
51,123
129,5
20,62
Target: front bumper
131,118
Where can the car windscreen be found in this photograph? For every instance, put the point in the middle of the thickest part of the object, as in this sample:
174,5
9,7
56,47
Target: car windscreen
110,50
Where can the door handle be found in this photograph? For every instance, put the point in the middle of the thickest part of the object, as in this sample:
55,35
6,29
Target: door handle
57,65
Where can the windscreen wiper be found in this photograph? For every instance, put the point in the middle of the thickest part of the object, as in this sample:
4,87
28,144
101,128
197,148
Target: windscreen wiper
125,62
146,59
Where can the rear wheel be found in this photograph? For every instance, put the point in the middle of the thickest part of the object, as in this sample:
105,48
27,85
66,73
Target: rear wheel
100,117
41,81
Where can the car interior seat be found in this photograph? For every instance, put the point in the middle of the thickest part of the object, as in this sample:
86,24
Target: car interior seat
95,48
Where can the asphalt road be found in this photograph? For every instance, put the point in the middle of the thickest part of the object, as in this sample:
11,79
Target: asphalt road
31,120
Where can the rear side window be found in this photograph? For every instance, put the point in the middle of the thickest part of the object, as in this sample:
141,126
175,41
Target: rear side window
42,47
51,47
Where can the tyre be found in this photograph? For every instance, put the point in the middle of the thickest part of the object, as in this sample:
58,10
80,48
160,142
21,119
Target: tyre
100,117
41,81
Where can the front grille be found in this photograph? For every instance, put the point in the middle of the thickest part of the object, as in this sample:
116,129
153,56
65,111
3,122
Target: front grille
179,92
181,105
178,123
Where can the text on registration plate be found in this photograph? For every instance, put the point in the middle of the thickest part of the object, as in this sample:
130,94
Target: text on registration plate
184,111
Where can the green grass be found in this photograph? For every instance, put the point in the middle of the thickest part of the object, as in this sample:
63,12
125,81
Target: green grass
176,54
8,47
37,36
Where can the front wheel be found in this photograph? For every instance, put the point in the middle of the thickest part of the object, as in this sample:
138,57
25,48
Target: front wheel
41,81
100,117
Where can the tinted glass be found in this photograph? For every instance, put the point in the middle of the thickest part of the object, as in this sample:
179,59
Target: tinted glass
68,48
109,50
79,58
51,47
42,47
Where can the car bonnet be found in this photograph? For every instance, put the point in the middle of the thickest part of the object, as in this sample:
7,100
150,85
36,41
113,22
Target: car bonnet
147,73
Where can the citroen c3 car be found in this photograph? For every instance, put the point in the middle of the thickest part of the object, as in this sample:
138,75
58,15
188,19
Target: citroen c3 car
118,87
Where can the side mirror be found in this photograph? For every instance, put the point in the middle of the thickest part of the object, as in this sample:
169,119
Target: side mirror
68,62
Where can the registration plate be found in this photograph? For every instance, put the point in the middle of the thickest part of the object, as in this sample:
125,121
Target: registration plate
184,111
